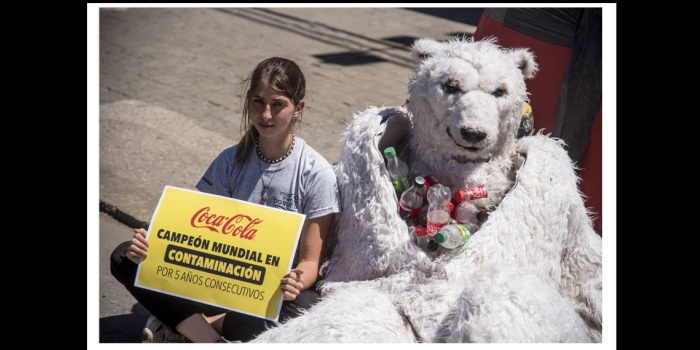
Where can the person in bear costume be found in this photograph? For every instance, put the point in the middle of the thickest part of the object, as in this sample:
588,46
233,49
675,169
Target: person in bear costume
531,273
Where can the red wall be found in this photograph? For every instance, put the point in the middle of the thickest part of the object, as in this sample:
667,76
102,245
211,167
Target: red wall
553,61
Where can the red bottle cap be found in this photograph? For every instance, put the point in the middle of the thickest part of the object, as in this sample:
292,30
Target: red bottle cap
421,231
459,196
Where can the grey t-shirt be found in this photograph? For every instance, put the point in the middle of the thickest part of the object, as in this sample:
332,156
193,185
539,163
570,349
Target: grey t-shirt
304,182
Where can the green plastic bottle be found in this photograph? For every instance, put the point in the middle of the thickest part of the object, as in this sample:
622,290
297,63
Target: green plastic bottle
398,171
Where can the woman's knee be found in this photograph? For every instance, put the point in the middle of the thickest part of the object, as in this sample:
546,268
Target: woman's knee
304,301
120,265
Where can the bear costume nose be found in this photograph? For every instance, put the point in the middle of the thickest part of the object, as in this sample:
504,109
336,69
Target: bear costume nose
472,135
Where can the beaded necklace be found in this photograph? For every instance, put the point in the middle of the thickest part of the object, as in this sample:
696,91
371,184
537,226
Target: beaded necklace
273,161
263,194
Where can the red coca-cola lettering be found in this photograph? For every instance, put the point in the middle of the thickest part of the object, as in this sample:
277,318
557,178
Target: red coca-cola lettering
477,192
247,232
202,215
237,225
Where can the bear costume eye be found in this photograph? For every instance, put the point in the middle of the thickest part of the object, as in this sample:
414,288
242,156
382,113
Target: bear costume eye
500,91
451,86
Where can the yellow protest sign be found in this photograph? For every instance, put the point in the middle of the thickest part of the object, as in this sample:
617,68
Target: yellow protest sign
220,251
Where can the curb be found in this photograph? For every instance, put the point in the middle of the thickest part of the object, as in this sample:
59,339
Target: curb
122,217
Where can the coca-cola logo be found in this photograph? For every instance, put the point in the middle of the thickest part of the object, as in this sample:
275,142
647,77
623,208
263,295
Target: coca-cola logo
236,225
477,192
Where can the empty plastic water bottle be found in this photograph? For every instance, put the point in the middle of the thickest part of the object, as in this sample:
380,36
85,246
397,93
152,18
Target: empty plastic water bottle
465,212
421,237
453,236
438,208
412,200
398,171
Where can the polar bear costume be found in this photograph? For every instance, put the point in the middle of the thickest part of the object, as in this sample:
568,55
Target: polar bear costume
533,270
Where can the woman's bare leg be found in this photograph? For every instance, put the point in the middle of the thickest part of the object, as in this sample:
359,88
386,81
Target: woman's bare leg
198,329
217,321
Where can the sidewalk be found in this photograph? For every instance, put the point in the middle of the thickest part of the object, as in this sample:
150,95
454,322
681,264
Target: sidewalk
169,100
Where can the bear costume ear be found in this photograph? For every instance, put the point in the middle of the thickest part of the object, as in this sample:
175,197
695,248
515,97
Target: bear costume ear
525,61
424,48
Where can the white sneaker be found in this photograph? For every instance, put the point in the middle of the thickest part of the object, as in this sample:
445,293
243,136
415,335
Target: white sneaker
156,331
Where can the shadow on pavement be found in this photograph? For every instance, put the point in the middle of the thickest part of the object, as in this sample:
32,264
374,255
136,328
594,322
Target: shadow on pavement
349,58
125,328
468,16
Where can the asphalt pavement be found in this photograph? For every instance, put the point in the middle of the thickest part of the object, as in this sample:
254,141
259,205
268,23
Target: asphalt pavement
169,102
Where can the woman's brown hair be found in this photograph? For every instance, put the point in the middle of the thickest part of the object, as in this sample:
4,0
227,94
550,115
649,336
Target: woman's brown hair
285,77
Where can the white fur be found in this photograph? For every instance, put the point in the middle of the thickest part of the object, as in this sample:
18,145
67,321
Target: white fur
531,273
328,321
496,296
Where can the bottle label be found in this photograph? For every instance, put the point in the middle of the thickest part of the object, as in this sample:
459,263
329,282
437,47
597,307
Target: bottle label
477,192
405,181
407,213
433,227
465,234
398,186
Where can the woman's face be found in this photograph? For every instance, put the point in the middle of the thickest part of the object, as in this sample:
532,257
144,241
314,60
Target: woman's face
271,112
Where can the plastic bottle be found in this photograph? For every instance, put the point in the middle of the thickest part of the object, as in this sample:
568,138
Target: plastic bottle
430,180
423,214
475,193
438,208
421,237
411,200
433,248
465,212
398,171
453,236
483,215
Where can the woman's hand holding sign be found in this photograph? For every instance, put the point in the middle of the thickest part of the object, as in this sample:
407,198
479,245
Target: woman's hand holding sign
292,284
139,246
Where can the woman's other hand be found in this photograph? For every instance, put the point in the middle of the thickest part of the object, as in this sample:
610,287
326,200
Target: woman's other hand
139,246
292,284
